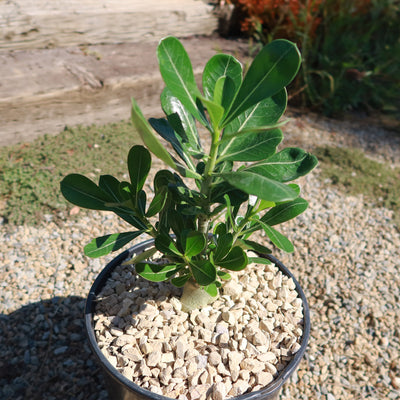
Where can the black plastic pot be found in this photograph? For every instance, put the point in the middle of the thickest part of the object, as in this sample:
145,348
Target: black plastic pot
121,388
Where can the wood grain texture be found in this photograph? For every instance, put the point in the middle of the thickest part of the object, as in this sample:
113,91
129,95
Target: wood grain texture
32,24
42,91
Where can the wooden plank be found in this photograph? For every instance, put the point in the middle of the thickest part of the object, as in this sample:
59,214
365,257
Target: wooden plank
45,90
32,24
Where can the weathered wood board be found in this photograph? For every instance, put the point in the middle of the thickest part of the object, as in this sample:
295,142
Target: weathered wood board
28,24
45,90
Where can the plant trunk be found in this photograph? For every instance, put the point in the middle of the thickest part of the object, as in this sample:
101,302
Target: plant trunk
194,297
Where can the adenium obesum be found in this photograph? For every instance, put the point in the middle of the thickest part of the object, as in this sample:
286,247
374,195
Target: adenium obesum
204,207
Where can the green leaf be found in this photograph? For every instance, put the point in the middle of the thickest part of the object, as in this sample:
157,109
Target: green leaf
156,272
260,186
279,240
194,243
266,112
110,185
254,246
204,272
235,195
284,212
165,130
285,166
127,193
180,280
106,244
251,146
273,68
236,260
158,202
148,136
139,163
177,72
224,245
224,92
212,290
224,275
219,66
219,91
182,122
215,111
220,229
295,187
144,255
141,202
83,192
163,179
166,245
259,260
265,204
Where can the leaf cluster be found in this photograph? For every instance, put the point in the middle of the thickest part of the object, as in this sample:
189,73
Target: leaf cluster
242,180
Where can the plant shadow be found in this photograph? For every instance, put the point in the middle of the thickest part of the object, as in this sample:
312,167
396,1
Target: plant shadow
44,353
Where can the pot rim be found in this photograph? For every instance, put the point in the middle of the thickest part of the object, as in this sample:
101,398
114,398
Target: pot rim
270,389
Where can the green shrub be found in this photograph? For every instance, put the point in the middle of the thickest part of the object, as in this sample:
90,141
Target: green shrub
351,49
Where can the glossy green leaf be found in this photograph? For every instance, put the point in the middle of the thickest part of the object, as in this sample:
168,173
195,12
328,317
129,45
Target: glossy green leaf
182,122
166,245
260,186
165,130
224,275
110,185
218,66
235,195
127,193
215,111
148,136
83,192
194,243
212,290
285,166
144,255
204,272
219,91
279,240
251,146
264,113
139,163
156,272
106,244
265,204
259,260
158,203
254,131
255,246
295,187
235,260
180,280
224,246
273,68
163,179
285,212
141,202
177,72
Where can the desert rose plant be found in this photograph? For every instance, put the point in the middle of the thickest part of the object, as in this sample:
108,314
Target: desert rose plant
210,200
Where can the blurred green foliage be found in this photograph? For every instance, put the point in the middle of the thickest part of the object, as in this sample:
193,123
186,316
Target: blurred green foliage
350,49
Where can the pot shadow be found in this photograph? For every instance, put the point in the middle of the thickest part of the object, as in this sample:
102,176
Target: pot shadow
44,353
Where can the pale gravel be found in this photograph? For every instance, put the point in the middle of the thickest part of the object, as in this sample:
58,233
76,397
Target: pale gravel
142,331
346,259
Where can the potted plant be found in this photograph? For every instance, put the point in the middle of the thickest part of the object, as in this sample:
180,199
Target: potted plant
205,207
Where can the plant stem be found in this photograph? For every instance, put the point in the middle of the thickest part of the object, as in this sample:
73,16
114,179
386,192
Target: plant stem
206,184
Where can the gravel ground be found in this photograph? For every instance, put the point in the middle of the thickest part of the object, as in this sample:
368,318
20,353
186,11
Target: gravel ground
346,259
